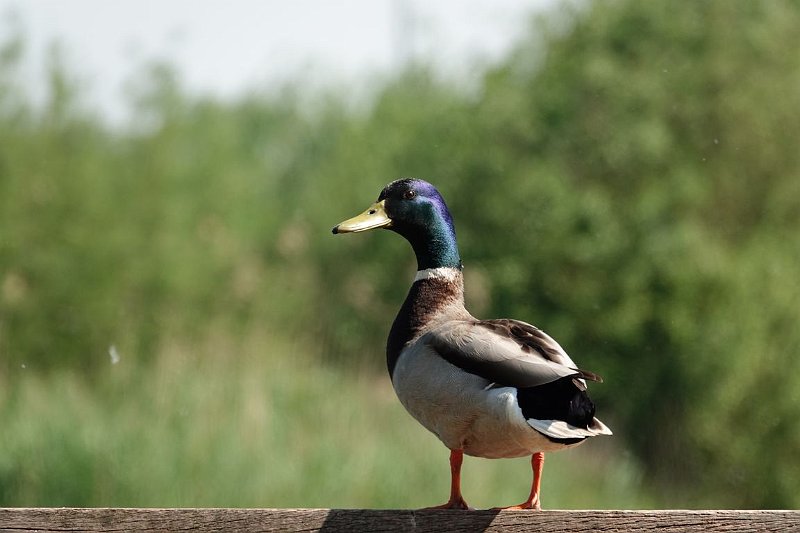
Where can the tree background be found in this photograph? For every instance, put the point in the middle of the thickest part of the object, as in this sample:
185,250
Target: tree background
178,326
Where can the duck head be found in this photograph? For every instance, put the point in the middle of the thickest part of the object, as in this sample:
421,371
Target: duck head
416,210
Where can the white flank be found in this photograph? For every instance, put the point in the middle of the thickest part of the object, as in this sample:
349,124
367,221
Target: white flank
446,273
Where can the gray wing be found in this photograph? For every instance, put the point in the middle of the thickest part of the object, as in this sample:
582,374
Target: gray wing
506,352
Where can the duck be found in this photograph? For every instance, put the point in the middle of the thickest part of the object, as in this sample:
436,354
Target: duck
498,388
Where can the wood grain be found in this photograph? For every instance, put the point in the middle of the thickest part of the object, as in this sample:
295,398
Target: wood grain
333,520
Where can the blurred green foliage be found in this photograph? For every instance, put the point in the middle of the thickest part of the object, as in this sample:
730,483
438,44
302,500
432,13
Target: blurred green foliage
627,179
224,425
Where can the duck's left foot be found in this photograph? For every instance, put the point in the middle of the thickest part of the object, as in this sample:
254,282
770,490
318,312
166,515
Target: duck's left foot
457,503
534,502
533,506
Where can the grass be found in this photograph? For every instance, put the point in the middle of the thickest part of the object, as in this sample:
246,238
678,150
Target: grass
257,424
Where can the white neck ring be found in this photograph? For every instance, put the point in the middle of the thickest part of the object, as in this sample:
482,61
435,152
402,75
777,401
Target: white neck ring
445,273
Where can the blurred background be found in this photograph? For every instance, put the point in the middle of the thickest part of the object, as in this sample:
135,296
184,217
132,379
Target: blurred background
178,327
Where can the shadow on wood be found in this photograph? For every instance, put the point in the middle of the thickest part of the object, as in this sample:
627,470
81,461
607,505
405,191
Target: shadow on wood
406,520
334,520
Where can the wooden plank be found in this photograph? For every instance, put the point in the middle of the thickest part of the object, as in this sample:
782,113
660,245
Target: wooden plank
333,520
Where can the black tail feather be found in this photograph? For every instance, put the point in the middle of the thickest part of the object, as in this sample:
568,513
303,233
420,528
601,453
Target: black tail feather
557,400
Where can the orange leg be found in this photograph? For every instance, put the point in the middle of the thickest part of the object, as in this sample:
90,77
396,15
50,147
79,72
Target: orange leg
456,501
533,501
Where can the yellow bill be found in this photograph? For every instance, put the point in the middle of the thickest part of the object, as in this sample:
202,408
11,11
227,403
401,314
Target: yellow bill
374,217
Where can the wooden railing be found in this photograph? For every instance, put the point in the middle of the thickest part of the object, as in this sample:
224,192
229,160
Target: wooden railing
358,520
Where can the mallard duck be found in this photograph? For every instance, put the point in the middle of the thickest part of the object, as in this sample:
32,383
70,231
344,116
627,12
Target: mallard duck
486,388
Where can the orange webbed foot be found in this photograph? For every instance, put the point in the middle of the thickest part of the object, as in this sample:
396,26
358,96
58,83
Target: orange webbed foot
533,502
532,506
458,503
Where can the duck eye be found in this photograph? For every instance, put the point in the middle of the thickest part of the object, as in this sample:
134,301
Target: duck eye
409,194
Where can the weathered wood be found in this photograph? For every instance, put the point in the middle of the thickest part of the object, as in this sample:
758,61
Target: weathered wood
332,520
